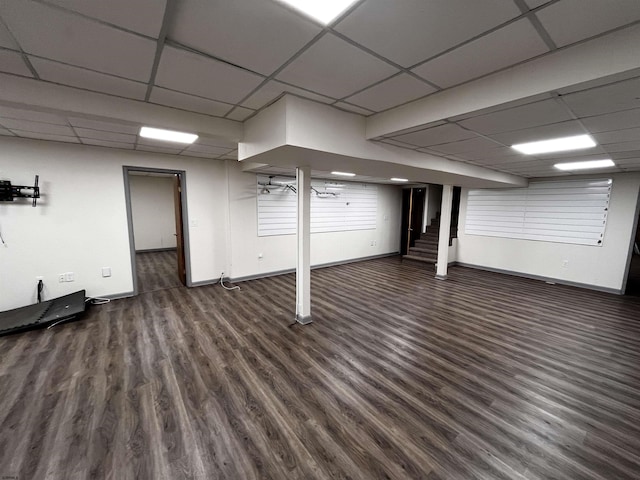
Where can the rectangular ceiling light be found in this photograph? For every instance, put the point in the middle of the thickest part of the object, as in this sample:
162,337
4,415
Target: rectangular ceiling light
394,179
324,11
556,145
585,165
344,174
167,135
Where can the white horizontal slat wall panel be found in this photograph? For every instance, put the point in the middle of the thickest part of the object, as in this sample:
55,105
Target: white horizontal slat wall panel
335,207
573,211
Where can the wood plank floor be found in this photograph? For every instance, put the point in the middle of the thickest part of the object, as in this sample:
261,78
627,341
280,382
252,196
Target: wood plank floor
481,376
157,270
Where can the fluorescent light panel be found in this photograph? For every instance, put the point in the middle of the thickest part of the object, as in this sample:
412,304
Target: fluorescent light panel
344,174
585,165
167,135
394,179
556,145
324,11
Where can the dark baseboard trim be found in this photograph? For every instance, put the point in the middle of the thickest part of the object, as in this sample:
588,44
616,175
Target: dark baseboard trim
151,250
540,277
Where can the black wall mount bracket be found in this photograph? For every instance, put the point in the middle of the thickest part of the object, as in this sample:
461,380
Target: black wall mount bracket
9,192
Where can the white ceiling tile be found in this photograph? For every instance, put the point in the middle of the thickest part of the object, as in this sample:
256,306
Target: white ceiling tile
396,143
216,142
82,78
155,149
353,108
503,106
5,132
622,147
626,135
189,153
472,145
6,40
85,133
198,75
393,92
240,114
410,31
526,116
142,16
36,126
613,121
587,154
273,89
535,3
78,41
216,151
507,46
545,132
231,155
625,155
105,143
323,68
11,62
256,34
570,21
45,136
607,99
420,127
436,135
105,126
33,115
170,98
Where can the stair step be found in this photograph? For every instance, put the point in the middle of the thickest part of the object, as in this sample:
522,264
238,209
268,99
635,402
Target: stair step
423,243
423,250
415,258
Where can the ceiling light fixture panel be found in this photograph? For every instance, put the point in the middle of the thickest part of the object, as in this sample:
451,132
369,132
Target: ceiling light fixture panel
563,144
395,179
167,135
344,174
586,165
323,11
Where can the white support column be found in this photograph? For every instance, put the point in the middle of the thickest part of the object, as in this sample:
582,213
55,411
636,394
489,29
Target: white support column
445,232
303,268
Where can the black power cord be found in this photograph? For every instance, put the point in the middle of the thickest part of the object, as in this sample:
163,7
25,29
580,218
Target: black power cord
40,288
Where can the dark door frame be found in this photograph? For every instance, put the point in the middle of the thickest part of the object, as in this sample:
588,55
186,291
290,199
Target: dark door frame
185,218
636,222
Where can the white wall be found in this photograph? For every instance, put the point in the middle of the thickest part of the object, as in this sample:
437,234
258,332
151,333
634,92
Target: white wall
153,211
601,267
279,252
80,224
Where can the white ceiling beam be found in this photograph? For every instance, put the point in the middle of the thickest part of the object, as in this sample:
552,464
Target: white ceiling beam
295,132
36,95
603,56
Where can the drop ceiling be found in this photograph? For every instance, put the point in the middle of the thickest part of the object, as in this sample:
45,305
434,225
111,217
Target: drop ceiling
231,59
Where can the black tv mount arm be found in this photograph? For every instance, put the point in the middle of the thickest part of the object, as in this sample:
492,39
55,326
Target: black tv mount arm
8,192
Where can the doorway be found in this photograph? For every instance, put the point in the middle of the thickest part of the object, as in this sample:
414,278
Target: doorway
412,217
633,270
158,233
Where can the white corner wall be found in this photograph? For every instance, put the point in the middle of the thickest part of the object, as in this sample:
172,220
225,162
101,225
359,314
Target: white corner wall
80,223
279,252
599,267
153,212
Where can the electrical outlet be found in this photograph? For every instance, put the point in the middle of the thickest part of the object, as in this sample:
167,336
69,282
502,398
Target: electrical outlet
260,256
61,278
106,271
39,277
565,263
68,277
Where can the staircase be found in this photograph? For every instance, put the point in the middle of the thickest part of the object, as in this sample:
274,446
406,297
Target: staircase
425,249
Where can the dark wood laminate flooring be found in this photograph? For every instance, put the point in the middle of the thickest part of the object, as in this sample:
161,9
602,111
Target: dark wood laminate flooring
401,376
157,270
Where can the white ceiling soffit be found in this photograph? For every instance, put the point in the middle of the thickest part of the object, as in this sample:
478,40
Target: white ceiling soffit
608,55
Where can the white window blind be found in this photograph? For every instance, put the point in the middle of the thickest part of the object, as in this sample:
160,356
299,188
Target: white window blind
335,206
573,211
